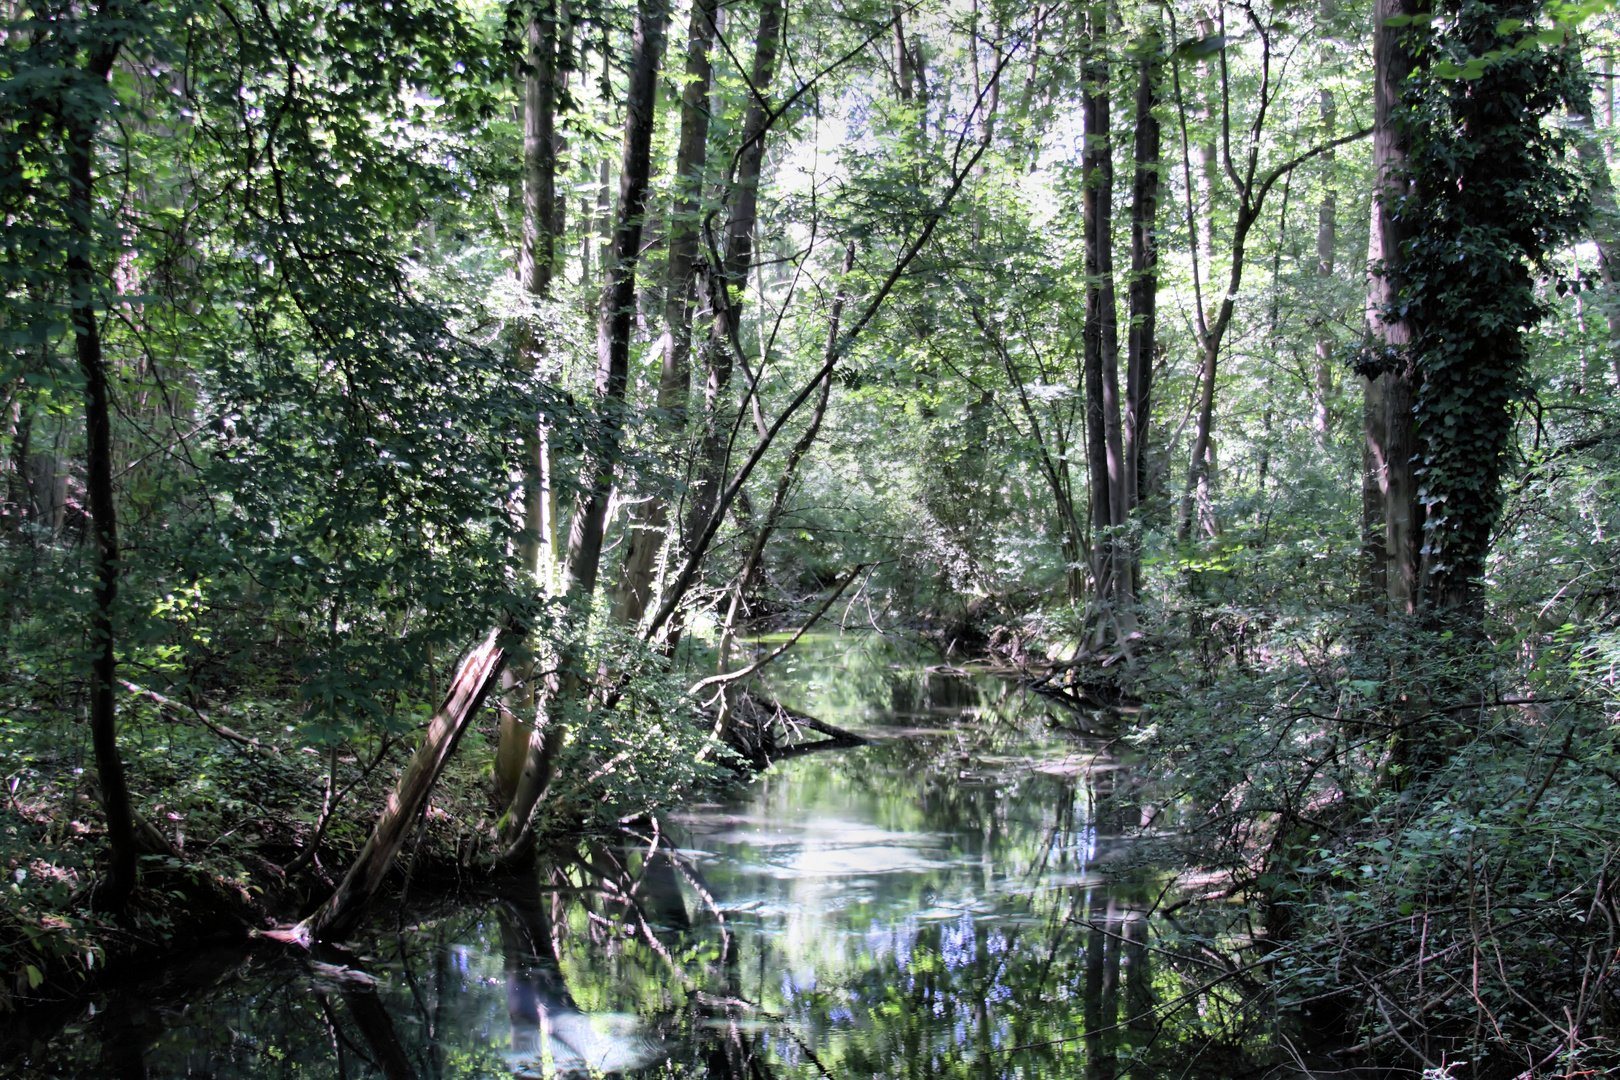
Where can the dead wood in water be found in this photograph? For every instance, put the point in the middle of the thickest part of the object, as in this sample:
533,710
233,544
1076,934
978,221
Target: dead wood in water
339,916
752,731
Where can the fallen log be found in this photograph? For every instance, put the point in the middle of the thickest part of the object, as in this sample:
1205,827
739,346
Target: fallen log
341,915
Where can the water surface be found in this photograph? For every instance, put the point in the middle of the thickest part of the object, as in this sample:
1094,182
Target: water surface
960,897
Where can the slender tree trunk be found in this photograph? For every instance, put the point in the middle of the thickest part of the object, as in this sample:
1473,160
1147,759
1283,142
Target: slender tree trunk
902,54
1103,449
1605,230
1375,564
1201,467
725,305
1108,309
1327,231
1144,287
1209,169
536,261
19,485
1395,458
562,63
1196,498
615,321
646,538
115,890
1607,82
616,313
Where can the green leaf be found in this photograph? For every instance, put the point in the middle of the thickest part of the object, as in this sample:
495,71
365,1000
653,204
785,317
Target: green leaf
1201,47
34,977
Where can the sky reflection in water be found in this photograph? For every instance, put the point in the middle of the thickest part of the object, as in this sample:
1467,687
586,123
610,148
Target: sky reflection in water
932,905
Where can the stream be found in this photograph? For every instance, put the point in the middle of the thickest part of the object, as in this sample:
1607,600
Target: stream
949,900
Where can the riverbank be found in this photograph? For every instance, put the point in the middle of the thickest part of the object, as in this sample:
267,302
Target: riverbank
967,890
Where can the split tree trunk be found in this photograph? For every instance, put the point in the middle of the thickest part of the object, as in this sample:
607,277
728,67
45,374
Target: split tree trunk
536,261
646,538
616,311
615,322
1105,451
725,305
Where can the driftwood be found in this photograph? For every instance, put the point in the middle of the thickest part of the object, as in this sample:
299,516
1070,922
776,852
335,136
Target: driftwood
753,734
340,915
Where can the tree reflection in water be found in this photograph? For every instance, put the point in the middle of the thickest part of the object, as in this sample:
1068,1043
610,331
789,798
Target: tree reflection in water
958,899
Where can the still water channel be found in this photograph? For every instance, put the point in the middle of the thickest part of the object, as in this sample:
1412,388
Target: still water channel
961,897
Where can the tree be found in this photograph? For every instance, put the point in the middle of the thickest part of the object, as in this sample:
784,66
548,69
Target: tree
615,321
1484,198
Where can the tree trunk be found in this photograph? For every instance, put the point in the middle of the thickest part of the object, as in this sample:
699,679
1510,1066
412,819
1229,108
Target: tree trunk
1375,566
616,312
646,537
1209,170
902,53
1104,451
1144,287
536,261
1396,457
1327,230
1605,230
725,307
115,890
615,321
1196,496
341,914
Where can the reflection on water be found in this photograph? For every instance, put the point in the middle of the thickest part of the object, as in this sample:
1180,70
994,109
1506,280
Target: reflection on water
951,900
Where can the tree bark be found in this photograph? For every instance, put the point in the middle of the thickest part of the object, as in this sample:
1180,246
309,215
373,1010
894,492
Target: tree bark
1605,229
341,914
115,890
1209,169
1396,457
616,311
1251,190
536,263
1375,564
725,307
902,54
1144,287
1327,230
1105,453
646,538
615,322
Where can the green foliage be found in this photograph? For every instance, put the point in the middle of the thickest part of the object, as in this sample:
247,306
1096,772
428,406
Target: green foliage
1493,197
